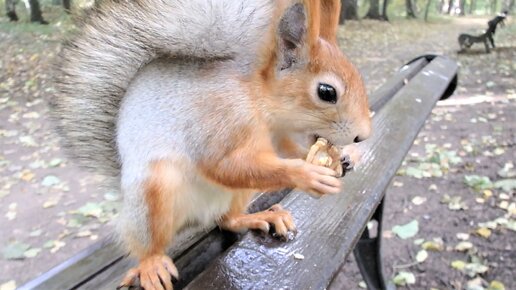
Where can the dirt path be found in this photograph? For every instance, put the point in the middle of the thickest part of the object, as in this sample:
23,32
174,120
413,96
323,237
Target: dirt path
472,136
51,210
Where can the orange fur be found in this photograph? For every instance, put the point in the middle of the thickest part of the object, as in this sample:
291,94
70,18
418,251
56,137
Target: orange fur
314,26
254,164
330,9
291,149
159,192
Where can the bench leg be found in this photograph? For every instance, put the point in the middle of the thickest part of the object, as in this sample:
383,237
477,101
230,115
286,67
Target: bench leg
368,256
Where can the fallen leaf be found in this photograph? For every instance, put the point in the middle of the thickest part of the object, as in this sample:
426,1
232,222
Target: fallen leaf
483,232
487,193
299,256
421,256
496,285
507,171
57,246
27,175
10,285
35,233
463,246
15,251
458,264
472,269
50,203
31,253
506,184
418,200
418,241
55,162
436,245
478,182
362,285
406,231
49,244
475,284
111,196
50,180
11,211
83,234
462,236
91,209
404,278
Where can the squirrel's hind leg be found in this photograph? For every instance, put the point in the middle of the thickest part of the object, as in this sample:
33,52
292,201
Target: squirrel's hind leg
236,220
148,221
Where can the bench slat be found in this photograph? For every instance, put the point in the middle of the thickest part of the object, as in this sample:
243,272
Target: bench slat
382,95
329,227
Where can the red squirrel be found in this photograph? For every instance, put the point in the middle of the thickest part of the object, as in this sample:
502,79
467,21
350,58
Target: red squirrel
194,106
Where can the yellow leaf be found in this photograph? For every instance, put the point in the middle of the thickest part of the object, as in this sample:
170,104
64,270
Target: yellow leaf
496,285
432,246
27,175
458,264
487,193
483,232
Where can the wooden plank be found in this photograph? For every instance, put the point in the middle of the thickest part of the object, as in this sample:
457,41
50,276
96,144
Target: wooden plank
86,263
386,91
329,227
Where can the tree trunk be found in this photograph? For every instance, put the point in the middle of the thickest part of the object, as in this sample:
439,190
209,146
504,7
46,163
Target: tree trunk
374,10
450,6
462,7
472,6
509,6
67,5
35,12
348,10
384,10
495,4
409,4
10,9
427,9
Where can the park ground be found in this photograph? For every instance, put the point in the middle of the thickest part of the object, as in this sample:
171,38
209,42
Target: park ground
449,220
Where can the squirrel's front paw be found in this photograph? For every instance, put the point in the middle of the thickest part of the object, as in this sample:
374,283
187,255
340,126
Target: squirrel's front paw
154,272
318,180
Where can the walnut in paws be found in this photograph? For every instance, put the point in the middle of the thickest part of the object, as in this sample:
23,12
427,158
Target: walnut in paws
325,154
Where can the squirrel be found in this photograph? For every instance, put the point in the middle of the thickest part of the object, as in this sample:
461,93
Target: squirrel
192,107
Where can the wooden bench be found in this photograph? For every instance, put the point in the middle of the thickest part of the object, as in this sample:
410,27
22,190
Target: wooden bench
329,227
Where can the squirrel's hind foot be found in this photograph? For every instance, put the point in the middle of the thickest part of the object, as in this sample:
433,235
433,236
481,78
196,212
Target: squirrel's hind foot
275,217
153,273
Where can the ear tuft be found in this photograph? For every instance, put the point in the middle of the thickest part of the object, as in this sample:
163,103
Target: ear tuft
291,33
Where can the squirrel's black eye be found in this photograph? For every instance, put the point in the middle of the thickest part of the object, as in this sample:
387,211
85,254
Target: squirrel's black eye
327,93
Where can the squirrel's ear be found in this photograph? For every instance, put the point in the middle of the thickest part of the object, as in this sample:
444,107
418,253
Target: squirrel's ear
330,11
291,35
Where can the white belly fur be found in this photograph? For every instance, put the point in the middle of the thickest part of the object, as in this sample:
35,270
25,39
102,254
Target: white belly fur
205,202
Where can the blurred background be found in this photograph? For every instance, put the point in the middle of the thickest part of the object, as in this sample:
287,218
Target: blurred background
457,183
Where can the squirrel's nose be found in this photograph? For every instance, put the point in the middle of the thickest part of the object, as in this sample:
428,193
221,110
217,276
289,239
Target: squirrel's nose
364,133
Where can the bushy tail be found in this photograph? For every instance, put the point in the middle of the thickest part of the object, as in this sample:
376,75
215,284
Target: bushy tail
119,37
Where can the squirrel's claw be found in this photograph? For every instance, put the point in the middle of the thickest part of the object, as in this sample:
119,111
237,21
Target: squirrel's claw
153,273
347,164
275,218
